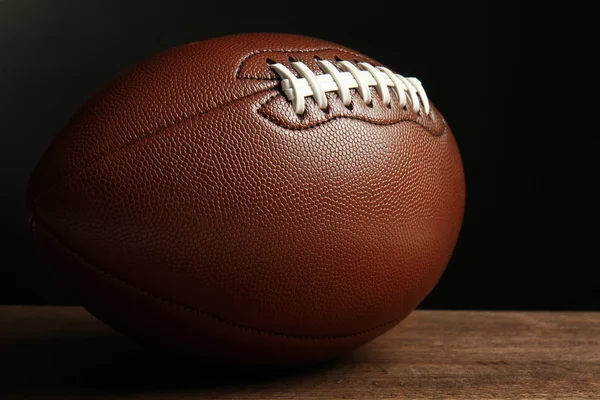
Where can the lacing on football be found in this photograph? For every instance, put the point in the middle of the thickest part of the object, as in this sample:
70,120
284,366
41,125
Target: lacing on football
361,77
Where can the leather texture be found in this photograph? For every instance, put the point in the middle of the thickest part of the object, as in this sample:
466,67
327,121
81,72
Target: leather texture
191,208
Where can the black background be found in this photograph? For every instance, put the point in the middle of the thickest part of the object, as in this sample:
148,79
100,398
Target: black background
513,80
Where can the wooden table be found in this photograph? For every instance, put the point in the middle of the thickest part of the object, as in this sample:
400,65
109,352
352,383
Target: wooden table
64,353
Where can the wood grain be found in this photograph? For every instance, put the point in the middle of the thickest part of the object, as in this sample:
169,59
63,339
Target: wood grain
64,353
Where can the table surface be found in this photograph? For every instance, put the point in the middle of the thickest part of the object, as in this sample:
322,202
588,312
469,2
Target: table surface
64,353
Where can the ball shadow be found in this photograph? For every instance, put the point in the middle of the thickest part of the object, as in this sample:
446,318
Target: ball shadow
100,361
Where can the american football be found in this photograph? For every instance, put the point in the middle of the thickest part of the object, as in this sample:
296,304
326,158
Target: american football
257,199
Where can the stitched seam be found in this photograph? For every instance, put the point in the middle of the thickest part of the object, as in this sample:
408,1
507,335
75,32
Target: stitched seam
239,70
171,303
143,136
358,118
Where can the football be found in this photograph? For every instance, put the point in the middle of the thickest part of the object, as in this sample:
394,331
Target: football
257,199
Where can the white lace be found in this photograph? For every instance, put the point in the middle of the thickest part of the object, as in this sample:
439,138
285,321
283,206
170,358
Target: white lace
359,77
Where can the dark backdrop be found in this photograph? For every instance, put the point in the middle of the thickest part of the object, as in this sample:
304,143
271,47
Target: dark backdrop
513,82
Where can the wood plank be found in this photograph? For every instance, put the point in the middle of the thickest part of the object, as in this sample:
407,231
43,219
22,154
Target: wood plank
64,353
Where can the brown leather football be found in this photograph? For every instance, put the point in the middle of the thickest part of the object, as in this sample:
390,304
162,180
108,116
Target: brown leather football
261,199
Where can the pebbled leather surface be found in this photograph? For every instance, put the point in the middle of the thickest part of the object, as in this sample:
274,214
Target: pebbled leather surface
190,209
